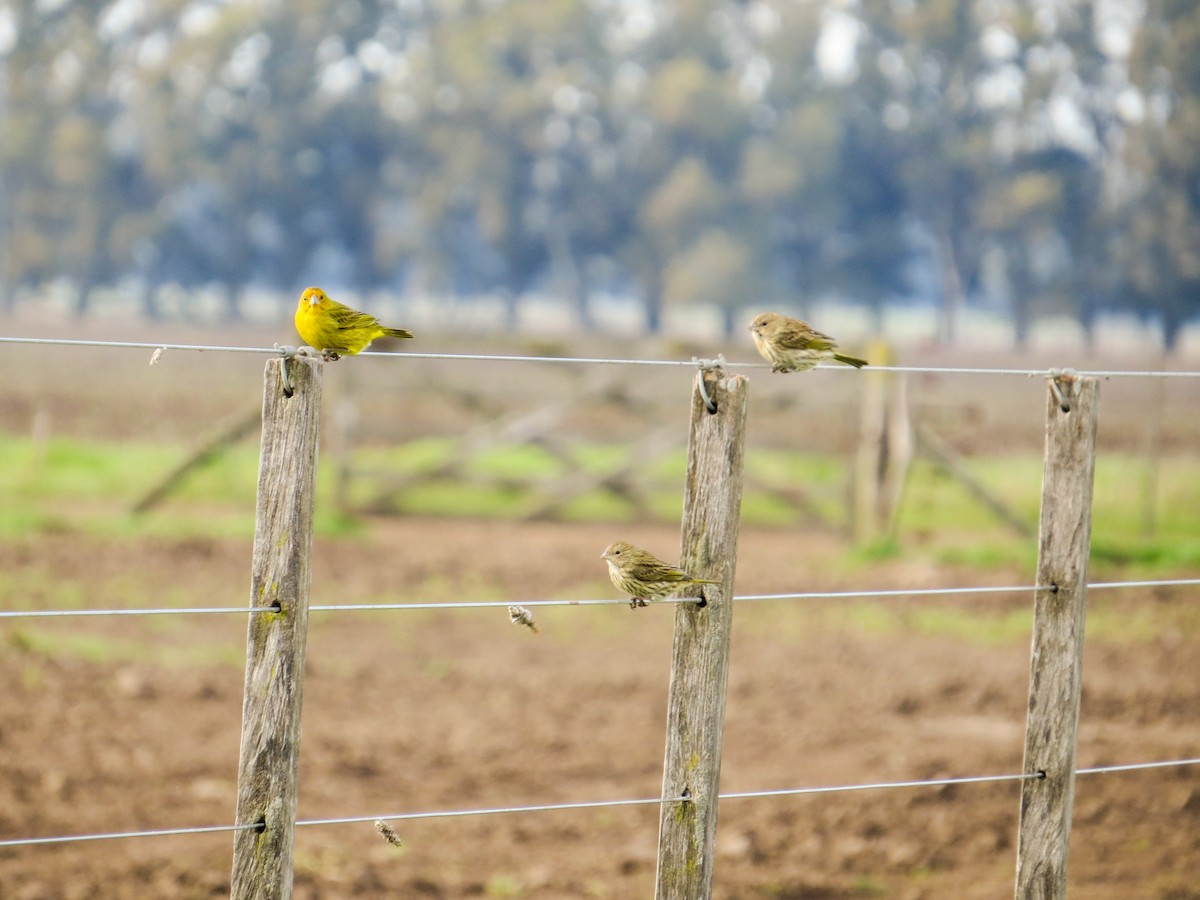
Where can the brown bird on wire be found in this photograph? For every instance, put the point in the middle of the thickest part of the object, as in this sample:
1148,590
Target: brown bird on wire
334,328
791,345
643,575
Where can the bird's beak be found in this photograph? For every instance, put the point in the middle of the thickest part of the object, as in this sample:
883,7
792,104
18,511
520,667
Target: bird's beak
604,555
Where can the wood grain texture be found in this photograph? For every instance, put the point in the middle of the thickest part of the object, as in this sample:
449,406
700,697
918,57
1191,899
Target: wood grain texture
275,643
1057,655
700,658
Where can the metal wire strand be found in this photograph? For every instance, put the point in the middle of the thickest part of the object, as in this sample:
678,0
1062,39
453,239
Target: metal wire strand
491,811
601,804
881,785
496,604
591,360
970,779
114,835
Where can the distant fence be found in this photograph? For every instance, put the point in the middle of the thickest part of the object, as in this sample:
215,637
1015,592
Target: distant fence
265,816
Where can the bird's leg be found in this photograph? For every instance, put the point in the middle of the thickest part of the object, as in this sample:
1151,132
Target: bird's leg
635,602
329,354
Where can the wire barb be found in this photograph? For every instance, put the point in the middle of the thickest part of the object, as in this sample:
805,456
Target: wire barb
388,833
519,615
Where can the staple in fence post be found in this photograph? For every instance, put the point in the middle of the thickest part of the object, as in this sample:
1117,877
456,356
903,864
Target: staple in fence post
700,658
280,579
1057,653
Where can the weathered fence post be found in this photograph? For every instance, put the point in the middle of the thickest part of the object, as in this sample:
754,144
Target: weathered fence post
1057,655
700,659
885,450
280,580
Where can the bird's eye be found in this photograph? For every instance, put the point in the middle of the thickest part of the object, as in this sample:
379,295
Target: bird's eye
616,553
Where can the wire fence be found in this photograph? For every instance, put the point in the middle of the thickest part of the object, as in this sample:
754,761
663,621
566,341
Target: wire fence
498,604
598,804
604,361
693,363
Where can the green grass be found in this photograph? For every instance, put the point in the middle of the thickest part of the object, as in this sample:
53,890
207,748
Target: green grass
54,643
71,486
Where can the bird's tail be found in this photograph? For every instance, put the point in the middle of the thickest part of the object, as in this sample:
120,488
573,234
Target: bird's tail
397,333
850,360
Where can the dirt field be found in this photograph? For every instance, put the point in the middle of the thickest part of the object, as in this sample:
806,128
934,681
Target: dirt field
435,711
118,724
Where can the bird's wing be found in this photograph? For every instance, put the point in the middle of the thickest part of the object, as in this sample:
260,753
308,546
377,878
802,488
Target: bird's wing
806,339
657,572
345,317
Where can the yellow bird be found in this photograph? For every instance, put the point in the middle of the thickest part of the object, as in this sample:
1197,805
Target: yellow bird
335,328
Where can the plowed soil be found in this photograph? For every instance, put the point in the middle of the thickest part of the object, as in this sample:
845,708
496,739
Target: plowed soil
131,724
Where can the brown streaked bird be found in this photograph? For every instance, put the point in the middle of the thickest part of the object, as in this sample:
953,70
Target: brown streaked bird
791,345
643,575
334,328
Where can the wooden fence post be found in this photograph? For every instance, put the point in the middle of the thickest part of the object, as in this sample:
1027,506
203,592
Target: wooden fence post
1057,654
700,659
885,450
280,579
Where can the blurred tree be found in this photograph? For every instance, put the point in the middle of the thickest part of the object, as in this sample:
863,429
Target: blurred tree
511,94
682,207
718,269
700,76
1162,245
931,56
687,152
62,180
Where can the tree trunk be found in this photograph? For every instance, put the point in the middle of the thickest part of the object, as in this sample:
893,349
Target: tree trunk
952,289
512,308
1172,326
150,308
233,301
83,294
730,325
653,303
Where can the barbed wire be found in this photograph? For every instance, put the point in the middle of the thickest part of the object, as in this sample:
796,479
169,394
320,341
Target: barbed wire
592,360
497,604
601,804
